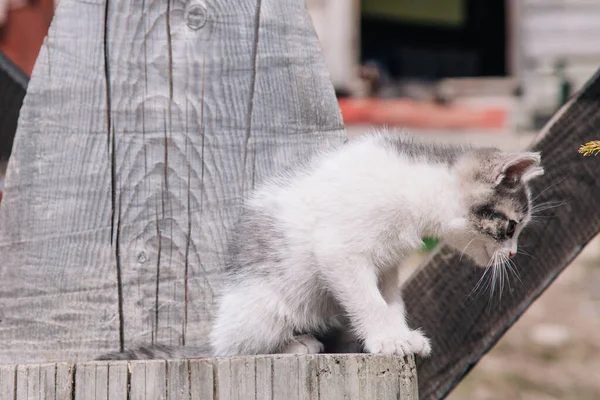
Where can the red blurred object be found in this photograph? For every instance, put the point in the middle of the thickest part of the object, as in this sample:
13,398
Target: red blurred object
410,113
23,33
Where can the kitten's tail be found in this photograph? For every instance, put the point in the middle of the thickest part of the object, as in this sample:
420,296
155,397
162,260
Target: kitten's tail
158,352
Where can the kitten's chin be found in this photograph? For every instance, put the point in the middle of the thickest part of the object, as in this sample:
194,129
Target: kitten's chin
481,262
481,256
475,250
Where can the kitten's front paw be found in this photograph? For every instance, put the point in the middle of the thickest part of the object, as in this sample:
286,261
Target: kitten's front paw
401,343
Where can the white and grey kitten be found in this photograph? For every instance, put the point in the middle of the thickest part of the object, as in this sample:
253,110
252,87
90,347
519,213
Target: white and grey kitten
318,248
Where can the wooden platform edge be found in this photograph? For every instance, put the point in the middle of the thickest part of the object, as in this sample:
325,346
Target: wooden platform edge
277,377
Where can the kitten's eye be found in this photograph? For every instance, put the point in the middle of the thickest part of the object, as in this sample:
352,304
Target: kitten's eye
510,229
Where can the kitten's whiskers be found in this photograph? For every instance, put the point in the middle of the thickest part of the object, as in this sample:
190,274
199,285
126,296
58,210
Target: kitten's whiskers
462,253
548,205
519,251
549,187
478,286
512,267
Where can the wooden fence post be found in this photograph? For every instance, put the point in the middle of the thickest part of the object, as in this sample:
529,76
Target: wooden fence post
144,125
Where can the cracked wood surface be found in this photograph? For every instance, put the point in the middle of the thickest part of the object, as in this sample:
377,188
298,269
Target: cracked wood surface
145,124
280,377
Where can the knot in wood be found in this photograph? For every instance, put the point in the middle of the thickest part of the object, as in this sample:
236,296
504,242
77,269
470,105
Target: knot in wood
141,257
196,16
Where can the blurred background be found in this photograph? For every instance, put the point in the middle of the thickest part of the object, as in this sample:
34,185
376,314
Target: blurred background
509,63
485,72
481,71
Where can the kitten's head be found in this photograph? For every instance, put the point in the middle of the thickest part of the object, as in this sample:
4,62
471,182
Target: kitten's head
497,199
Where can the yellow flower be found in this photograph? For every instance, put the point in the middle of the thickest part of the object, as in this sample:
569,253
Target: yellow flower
590,148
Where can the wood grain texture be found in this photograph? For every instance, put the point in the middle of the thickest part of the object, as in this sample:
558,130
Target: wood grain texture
278,377
64,381
145,124
178,378
464,328
118,381
8,380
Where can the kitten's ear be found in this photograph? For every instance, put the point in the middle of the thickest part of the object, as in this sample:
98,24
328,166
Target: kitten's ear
519,167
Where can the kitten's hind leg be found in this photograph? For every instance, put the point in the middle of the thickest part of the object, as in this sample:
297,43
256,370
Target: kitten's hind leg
303,344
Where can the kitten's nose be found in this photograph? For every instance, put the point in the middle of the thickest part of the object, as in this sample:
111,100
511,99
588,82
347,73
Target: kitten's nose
511,254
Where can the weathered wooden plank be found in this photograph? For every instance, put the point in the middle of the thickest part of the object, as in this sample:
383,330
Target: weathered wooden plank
464,328
337,378
31,382
118,381
21,382
235,378
144,125
386,377
264,377
47,382
87,386
137,380
202,379
275,377
65,378
8,379
148,380
101,381
294,377
178,380
307,377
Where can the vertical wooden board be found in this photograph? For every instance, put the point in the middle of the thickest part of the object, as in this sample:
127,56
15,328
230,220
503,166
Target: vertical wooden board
243,378
277,83
202,382
148,380
47,382
22,384
383,380
178,380
167,114
222,378
55,292
101,380
156,380
409,384
152,205
118,380
8,377
263,377
137,380
362,377
33,382
85,381
308,382
337,378
64,381
285,377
